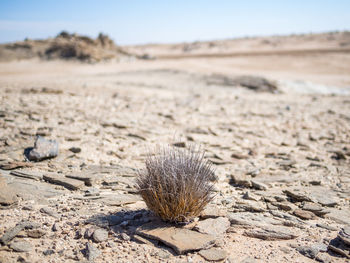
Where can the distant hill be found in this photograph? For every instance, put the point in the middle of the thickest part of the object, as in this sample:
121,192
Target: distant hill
64,46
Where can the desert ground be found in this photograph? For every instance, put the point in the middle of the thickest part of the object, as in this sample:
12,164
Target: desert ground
279,142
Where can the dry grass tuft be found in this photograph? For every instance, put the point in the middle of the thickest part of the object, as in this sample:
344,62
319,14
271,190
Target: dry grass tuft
177,183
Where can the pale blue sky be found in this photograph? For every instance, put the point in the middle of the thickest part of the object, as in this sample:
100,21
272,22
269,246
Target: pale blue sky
137,21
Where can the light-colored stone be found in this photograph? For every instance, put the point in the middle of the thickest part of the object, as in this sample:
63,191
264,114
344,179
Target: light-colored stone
213,226
213,254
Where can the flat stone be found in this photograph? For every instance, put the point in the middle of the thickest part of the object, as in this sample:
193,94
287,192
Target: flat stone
212,211
241,180
284,205
213,226
15,165
12,232
100,235
180,239
121,199
276,233
69,183
312,251
250,206
75,149
49,211
91,252
28,174
306,215
43,149
330,228
297,195
89,179
258,185
36,233
344,235
315,208
252,219
21,246
339,216
7,193
337,245
213,254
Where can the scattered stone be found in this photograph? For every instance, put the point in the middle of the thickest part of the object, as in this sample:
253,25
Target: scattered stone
212,211
91,252
21,246
181,240
213,254
315,208
271,233
323,258
284,205
49,211
251,219
55,227
100,235
69,183
75,149
143,240
213,226
250,196
43,149
92,192
339,216
306,215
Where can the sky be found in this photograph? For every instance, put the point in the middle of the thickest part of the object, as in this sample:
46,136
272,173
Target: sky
164,21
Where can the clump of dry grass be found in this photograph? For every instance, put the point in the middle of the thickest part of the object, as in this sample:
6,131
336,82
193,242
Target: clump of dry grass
177,183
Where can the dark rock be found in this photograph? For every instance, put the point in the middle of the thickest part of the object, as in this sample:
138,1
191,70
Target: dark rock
338,246
48,252
344,235
75,149
312,251
49,211
306,215
43,149
69,183
36,233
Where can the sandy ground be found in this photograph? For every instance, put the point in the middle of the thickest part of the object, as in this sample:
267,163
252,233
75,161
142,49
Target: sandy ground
115,112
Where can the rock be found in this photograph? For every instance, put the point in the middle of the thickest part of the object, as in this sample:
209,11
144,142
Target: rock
330,228
271,233
306,215
48,252
121,199
312,251
344,235
213,226
7,193
241,180
36,233
15,165
297,195
75,149
212,211
250,206
337,245
89,179
92,192
69,183
213,254
250,196
284,205
28,174
21,246
258,185
12,233
180,239
49,211
323,258
339,216
251,219
100,235
91,252
315,208
43,149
